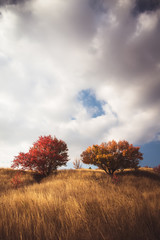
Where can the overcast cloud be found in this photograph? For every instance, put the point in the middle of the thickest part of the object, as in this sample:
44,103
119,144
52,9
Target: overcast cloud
53,51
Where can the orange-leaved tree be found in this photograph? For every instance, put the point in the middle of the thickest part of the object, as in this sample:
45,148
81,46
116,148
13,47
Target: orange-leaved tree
112,156
44,157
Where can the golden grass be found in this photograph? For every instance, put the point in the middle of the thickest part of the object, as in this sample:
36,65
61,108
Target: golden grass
81,204
6,174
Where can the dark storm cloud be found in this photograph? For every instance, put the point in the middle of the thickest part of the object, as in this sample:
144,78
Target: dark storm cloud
98,5
77,45
146,5
133,47
151,94
11,2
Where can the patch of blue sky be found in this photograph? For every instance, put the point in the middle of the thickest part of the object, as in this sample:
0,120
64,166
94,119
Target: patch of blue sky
151,153
93,106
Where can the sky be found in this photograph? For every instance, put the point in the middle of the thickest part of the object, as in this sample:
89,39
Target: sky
85,71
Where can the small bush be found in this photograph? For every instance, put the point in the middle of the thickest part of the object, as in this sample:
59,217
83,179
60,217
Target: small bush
77,164
16,181
157,169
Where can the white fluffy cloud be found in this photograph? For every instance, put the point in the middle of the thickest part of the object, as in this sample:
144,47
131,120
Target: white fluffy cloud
51,50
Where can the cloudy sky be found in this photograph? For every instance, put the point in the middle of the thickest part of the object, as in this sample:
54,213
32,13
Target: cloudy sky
85,71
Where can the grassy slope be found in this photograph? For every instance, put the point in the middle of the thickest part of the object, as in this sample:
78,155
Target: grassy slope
81,204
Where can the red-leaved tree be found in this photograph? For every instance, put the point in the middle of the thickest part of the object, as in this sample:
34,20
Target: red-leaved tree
44,157
112,156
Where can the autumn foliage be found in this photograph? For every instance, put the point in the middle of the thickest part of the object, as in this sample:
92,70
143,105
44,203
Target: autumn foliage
44,157
112,156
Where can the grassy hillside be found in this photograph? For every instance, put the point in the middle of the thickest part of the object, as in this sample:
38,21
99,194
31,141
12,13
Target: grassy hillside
81,204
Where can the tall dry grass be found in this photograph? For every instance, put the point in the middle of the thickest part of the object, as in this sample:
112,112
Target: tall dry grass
81,204
6,174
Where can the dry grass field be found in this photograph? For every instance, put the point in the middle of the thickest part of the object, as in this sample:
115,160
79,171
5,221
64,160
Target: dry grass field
81,205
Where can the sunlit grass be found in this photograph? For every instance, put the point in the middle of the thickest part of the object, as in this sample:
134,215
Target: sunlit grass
81,204
6,174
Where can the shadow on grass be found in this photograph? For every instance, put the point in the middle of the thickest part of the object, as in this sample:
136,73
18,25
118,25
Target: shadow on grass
39,177
140,173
